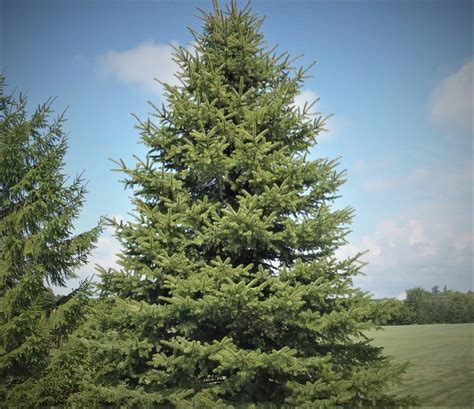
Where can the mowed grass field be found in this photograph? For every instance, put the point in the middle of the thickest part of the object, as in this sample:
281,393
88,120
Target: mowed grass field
441,373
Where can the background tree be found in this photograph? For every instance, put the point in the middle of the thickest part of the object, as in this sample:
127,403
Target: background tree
230,293
397,312
37,246
446,307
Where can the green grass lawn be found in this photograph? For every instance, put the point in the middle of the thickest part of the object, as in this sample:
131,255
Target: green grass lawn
441,357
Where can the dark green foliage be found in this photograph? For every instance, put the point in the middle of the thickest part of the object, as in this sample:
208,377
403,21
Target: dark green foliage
435,307
398,313
402,314
424,307
37,246
229,293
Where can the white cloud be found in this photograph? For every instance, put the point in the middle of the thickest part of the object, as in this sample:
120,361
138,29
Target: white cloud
141,65
334,125
429,240
432,248
371,245
307,97
413,178
438,181
402,296
103,255
372,166
451,102
416,232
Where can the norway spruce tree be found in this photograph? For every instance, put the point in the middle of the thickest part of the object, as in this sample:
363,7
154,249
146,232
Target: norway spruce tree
37,245
229,292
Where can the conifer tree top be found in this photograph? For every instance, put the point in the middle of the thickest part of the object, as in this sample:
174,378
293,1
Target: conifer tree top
37,244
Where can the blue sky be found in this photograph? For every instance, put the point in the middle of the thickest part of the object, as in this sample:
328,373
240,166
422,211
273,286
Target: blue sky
397,76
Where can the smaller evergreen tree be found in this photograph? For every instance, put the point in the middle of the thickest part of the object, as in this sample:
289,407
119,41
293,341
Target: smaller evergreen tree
37,244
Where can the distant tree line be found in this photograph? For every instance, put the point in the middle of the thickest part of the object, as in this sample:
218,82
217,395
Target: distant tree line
431,307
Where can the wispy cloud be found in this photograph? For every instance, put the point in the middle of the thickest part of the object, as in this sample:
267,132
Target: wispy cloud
337,126
451,102
439,182
307,97
334,125
425,246
364,165
104,255
141,65
428,240
413,178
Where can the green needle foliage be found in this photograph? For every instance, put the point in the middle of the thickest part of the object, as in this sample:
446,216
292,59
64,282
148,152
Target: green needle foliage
37,246
229,292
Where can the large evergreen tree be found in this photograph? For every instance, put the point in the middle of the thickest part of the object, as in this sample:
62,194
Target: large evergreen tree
229,292
37,245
